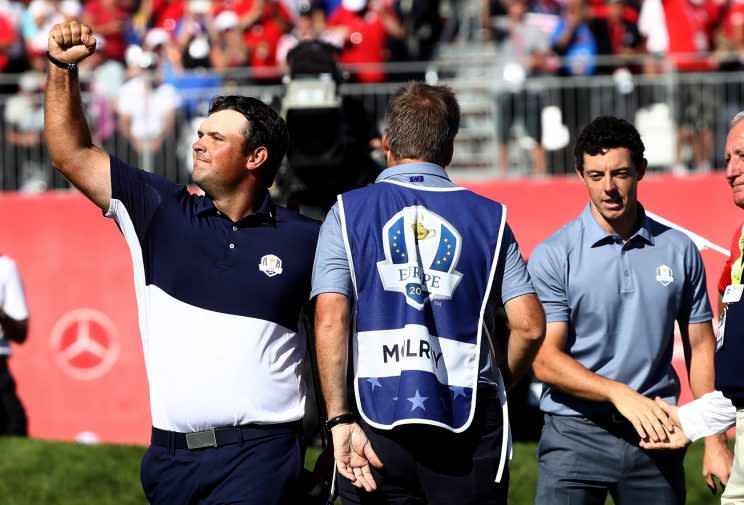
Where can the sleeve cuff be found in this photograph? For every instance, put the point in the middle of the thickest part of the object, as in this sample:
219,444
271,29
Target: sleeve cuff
710,414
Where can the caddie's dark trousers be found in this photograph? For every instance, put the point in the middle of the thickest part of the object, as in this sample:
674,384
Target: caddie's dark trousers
12,415
426,465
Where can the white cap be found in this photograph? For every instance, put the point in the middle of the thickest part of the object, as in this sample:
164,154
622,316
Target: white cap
133,55
156,37
39,8
200,6
71,8
226,20
354,5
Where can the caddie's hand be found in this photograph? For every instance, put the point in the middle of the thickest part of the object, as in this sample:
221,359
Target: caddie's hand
71,42
649,420
717,461
354,455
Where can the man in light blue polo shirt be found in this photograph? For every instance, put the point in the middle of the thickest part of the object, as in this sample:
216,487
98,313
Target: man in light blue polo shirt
613,282
417,267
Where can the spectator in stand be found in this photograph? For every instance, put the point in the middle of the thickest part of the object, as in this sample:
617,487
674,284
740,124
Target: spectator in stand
190,51
12,53
617,36
39,17
165,14
227,49
422,26
653,28
24,132
8,37
366,25
325,7
192,41
573,40
522,54
491,12
70,9
691,27
106,78
264,22
109,19
729,57
146,108
307,28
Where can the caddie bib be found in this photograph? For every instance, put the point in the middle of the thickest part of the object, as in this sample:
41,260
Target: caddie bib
423,262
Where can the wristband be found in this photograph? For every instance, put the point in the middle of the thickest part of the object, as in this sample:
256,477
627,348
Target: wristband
61,64
347,418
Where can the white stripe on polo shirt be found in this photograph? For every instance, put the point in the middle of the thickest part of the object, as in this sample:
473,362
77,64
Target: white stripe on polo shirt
12,299
209,369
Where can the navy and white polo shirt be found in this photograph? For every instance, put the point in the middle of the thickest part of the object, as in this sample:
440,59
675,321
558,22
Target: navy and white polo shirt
12,298
218,301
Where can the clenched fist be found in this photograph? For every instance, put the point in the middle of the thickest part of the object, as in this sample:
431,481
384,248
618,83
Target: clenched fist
71,42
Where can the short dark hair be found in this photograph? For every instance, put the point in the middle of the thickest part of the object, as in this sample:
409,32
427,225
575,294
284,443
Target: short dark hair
265,128
605,133
421,122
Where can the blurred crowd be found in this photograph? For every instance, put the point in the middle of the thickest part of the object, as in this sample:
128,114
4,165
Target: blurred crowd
621,38
223,34
199,46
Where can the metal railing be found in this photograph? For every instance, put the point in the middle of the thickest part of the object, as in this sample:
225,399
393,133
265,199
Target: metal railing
682,117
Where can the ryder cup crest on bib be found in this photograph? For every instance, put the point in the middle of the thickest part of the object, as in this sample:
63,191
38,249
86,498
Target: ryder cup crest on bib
421,252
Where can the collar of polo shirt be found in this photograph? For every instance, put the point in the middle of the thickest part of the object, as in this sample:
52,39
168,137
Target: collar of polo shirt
595,235
266,212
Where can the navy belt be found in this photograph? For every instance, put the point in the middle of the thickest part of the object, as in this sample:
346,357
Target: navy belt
218,437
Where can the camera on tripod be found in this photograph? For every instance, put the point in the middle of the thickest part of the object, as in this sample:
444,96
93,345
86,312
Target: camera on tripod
329,134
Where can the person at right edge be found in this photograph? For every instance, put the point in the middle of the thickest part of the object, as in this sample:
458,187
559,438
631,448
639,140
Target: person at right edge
613,282
717,411
417,268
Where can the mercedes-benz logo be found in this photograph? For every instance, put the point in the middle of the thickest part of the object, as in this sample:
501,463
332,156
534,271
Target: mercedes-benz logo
85,344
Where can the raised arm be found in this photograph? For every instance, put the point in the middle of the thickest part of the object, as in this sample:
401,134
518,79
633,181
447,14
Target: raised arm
65,127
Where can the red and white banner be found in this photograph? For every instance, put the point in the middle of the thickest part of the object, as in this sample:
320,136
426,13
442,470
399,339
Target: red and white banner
81,373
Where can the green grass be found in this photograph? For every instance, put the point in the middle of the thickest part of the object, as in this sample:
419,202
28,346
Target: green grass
61,473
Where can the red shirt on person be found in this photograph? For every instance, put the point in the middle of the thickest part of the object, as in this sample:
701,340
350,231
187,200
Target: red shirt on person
108,18
365,42
736,256
7,38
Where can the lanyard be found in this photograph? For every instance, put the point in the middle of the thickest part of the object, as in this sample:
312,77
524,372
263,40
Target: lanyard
737,267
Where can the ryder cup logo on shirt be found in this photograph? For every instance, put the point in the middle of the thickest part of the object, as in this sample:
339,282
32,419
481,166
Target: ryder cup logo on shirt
421,252
271,265
664,275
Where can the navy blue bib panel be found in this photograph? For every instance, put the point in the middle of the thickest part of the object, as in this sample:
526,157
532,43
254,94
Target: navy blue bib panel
423,261
729,358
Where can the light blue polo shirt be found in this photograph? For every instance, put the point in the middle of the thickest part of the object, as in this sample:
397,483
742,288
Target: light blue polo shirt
621,301
331,272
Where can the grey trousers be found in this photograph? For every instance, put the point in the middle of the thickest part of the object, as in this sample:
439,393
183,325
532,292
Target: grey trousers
581,460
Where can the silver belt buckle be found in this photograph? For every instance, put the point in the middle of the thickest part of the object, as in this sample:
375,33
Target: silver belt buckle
201,439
